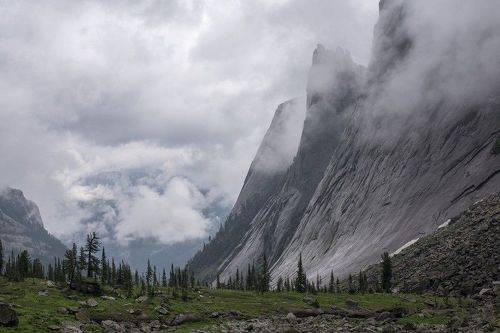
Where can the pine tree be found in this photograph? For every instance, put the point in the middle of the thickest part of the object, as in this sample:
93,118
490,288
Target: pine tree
113,272
351,285
331,284
82,261
149,279
164,279
104,267
155,278
279,285
218,284
301,279
172,279
91,248
69,263
386,277
24,265
136,278
1,258
265,277
338,286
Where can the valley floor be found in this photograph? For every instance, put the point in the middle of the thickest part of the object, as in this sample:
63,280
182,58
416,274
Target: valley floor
44,307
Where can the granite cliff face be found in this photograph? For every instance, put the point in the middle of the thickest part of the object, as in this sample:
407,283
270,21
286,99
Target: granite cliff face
264,178
21,227
385,156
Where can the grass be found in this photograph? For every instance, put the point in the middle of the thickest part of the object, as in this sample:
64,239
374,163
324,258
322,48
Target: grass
36,312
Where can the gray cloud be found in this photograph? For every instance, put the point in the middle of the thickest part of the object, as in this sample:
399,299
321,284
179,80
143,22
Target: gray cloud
179,91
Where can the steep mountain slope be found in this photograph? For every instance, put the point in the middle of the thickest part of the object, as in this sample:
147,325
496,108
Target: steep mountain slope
264,178
382,159
21,227
460,258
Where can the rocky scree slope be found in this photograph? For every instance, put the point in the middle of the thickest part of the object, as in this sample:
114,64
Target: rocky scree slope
461,258
21,227
382,158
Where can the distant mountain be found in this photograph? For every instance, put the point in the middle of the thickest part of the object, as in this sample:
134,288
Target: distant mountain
21,227
386,154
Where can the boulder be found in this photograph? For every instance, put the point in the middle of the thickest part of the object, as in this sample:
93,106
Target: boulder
302,313
43,293
92,303
351,304
82,317
141,299
8,317
290,317
87,287
73,309
50,284
184,318
108,298
62,310
486,292
112,326
71,327
161,310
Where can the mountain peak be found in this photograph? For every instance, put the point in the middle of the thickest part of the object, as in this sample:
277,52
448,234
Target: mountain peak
14,204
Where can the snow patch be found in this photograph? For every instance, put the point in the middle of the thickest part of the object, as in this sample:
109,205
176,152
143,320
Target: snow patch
445,224
413,241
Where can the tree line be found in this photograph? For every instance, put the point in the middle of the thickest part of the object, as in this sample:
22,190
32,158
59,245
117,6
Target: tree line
83,263
90,263
259,278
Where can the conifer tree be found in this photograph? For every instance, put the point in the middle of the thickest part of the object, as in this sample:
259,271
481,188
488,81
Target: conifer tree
386,277
265,276
171,281
82,260
338,286
136,278
91,248
24,265
70,263
351,285
331,284
218,284
104,267
155,278
301,279
164,279
279,285
113,272
1,258
149,279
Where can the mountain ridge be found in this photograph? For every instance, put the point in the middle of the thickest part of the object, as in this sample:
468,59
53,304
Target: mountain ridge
382,159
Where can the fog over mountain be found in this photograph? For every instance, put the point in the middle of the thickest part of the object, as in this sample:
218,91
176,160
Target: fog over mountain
139,119
387,153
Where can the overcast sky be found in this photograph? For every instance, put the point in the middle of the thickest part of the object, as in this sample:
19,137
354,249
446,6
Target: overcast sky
172,96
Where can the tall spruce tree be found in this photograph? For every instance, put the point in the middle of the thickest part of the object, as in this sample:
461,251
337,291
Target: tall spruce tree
164,279
149,279
104,267
264,276
301,279
1,258
82,260
70,263
91,248
386,277
331,284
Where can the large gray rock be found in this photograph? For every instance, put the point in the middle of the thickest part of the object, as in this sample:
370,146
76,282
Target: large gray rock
8,317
